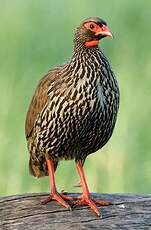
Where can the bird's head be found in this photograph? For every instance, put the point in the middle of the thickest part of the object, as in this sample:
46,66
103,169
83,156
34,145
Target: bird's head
91,31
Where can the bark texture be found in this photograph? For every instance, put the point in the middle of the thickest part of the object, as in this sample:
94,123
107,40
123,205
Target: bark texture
129,211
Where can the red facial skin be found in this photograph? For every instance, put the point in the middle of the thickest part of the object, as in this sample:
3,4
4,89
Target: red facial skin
102,30
93,27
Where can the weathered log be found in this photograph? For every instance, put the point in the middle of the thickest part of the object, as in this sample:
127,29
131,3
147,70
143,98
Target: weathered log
129,211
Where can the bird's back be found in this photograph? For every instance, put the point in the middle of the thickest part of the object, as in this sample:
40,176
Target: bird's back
40,99
38,103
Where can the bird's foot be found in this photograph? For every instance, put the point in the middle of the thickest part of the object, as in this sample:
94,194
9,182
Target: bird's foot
67,198
91,202
60,198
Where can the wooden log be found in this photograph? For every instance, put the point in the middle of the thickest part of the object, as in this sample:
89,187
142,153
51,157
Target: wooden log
128,211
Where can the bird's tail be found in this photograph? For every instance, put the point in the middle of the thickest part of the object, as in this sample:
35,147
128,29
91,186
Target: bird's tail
39,168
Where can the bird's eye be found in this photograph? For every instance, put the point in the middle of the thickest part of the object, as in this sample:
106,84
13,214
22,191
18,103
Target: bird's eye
92,26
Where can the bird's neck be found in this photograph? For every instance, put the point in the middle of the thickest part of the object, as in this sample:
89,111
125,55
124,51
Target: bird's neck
85,56
80,46
84,52
90,64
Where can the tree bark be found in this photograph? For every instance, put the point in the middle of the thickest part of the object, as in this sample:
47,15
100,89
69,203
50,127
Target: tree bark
129,211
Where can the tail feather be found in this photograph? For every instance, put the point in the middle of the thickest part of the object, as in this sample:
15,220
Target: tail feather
39,168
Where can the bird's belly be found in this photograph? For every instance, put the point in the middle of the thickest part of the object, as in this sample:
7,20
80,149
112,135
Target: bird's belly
78,132
96,131
97,124
90,133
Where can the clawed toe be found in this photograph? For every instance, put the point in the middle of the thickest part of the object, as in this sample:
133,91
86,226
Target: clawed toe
91,202
57,197
76,201
102,202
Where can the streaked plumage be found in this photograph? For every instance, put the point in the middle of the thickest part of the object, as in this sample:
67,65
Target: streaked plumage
73,111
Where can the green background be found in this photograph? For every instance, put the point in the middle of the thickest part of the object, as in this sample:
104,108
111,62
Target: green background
37,35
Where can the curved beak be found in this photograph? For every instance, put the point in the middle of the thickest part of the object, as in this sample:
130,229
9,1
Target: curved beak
104,31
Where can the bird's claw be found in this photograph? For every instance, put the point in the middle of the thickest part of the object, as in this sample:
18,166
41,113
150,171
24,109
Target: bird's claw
59,198
82,200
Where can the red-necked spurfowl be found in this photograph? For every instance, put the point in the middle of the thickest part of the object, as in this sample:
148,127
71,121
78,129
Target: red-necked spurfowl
73,111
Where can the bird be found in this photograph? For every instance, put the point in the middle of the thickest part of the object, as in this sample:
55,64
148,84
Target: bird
73,112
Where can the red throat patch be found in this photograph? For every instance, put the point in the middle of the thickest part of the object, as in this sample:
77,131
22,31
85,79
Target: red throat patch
91,43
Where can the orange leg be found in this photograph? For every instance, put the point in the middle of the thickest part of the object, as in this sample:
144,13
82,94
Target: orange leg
85,199
54,195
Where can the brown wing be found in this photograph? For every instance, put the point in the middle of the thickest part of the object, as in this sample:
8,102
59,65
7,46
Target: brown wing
39,100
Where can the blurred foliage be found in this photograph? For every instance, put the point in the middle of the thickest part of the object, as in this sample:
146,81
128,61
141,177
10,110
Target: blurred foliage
37,35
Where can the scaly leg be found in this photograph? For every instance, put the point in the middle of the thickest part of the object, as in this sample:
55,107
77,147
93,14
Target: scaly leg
54,195
85,198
